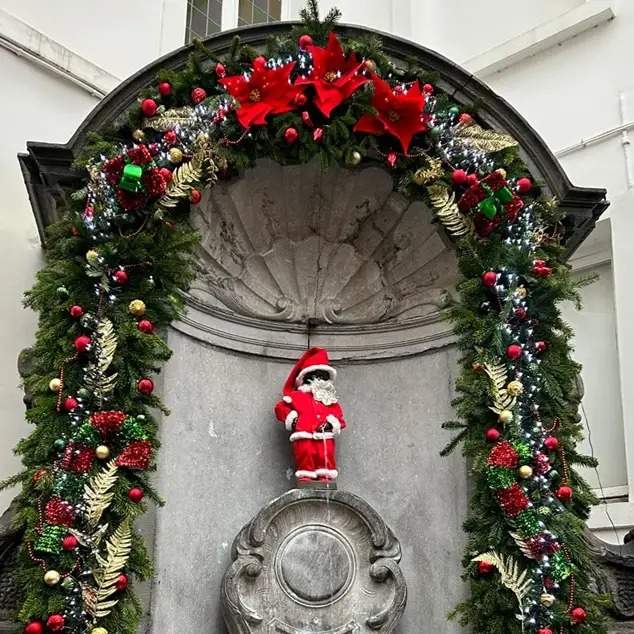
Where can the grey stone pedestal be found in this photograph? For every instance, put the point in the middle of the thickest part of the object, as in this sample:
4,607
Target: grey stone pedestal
314,561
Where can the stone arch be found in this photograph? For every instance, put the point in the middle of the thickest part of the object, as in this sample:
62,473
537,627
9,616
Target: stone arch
270,326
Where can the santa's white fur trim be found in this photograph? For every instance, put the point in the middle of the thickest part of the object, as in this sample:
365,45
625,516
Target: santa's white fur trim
287,399
291,417
311,368
328,473
336,424
305,474
307,435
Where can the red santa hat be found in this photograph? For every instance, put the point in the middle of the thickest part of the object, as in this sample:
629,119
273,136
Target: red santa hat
312,360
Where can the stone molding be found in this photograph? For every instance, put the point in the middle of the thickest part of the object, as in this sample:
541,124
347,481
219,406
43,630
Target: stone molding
318,561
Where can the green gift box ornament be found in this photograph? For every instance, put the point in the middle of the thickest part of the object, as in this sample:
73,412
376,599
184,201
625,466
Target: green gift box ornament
504,195
488,207
131,178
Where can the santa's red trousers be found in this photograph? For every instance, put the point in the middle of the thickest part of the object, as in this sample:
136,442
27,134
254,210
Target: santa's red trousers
315,457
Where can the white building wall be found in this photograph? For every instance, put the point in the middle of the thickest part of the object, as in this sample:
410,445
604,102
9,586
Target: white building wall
572,89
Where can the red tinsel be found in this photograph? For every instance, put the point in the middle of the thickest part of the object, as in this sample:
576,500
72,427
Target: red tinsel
513,208
130,201
503,455
136,455
471,197
155,182
107,422
140,155
542,544
495,180
512,500
542,463
113,169
77,458
59,512
484,226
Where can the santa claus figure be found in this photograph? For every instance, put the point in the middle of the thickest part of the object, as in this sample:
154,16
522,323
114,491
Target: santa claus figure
311,413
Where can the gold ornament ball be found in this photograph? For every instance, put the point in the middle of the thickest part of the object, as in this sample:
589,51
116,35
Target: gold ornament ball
202,138
99,630
92,257
547,600
501,171
525,471
370,64
102,452
55,385
52,577
521,292
175,155
138,135
137,307
515,388
506,416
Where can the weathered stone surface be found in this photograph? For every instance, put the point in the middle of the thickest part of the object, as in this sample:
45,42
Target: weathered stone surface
224,457
314,561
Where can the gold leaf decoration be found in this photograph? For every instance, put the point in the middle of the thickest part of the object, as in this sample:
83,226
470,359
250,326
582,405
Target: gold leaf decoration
432,171
96,380
484,140
511,575
521,544
444,203
116,557
98,493
169,119
501,398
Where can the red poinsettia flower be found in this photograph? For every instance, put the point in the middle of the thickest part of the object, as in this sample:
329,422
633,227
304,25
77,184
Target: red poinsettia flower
399,113
334,76
266,91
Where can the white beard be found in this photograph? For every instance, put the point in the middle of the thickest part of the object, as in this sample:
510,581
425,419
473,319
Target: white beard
322,391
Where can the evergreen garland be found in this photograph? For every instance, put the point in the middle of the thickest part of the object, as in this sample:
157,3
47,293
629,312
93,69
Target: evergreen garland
124,251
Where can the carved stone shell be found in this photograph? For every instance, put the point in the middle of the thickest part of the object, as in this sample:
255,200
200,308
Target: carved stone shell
297,243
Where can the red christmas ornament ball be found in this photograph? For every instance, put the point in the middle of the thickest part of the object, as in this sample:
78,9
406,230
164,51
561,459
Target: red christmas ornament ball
524,185
121,583
69,542
305,41
465,118
485,568
300,99
578,615
145,386
76,311
514,352
146,326
291,135
492,434
70,403
195,196
120,276
149,107
198,94
489,278
55,622
135,494
34,627
544,630
472,179
459,177
221,71
165,88
82,343
540,346
551,443
259,62
564,493
428,89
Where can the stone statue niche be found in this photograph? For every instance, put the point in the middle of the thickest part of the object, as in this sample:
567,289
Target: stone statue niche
315,560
